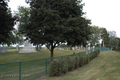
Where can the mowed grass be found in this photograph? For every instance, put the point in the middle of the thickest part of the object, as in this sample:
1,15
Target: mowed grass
30,70
13,56
105,67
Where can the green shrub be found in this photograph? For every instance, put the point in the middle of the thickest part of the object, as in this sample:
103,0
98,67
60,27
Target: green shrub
58,67
95,53
87,58
64,66
98,51
71,63
76,61
81,61
91,56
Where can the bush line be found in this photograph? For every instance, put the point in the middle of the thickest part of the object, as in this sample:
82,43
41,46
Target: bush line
62,66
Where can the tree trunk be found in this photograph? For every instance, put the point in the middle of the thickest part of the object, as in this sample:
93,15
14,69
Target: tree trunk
70,47
52,52
37,47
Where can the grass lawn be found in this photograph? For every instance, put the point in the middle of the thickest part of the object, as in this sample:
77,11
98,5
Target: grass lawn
105,67
13,56
29,70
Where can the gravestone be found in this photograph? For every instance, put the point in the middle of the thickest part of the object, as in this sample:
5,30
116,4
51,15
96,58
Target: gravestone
17,48
82,48
40,48
93,48
3,49
58,47
86,49
67,48
89,50
76,48
73,48
45,48
27,48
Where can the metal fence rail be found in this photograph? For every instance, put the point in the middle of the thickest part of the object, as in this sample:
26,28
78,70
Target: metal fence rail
32,69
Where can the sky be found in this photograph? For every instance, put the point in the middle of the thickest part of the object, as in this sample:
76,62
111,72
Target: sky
102,13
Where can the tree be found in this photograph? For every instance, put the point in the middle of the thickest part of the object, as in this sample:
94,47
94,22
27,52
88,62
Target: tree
23,14
52,22
105,37
95,36
113,42
6,23
14,38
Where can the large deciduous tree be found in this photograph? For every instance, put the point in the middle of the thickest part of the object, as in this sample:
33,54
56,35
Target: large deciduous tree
95,36
6,23
105,37
113,42
52,22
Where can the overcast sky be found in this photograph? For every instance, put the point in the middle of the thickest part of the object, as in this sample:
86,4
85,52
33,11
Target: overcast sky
103,13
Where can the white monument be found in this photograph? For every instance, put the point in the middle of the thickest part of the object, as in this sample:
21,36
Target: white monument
27,48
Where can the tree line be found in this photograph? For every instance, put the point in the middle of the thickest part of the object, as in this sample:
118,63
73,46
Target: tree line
109,38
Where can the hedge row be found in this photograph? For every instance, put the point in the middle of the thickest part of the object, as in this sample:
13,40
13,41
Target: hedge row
62,66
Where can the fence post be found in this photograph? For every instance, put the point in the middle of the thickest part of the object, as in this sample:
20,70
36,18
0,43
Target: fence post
46,67
19,70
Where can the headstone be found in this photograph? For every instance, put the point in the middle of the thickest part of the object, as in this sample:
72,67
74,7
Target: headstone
73,48
45,48
76,48
27,48
58,48
40,48
17,48
86,49
81,47
62,48
89,50
3,49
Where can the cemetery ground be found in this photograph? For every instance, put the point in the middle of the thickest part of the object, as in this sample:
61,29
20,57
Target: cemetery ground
13,56
29,70
105,67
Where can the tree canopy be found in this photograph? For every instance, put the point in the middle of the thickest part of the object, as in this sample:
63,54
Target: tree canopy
52,22
6,23
95,36
105,37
